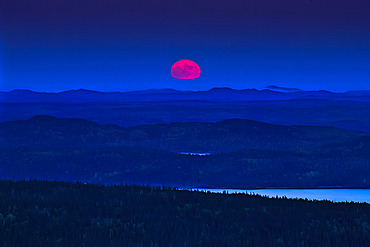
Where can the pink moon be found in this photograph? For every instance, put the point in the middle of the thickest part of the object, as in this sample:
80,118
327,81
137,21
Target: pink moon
185,69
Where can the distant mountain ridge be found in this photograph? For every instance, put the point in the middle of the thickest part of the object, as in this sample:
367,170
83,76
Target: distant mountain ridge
214,94
283,89
349,110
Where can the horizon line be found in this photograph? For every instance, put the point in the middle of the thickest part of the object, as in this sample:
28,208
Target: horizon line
278,89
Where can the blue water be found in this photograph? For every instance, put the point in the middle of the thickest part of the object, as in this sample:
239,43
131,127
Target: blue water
192,153
335,195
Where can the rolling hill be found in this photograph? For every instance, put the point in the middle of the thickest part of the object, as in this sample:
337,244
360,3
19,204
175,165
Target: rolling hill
350,110
247,154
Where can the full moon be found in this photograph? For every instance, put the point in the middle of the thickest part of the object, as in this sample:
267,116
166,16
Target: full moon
185,69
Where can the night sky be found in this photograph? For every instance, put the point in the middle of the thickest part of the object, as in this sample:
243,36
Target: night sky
119,45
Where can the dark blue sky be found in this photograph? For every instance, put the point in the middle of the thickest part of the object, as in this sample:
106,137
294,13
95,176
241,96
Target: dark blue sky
113,45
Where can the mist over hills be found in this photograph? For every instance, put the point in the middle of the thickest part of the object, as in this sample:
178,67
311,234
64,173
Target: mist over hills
260,138
350,110
247,154
215,94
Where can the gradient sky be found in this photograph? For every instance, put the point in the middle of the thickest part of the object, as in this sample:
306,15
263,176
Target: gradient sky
113,45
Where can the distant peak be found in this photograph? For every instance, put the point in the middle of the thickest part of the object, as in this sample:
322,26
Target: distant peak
284,89
154,90
221,89
21,91
43,117
81,90
242,121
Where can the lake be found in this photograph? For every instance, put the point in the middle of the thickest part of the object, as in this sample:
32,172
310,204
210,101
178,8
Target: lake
335,195
197,154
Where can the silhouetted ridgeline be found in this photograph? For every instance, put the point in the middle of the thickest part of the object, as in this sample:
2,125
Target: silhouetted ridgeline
350,110
213,94
248,154
61,214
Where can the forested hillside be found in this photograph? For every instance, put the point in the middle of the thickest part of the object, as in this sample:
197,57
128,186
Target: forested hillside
248,154
61,214
220,137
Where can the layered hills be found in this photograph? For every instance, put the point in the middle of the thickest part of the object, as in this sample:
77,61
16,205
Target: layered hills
350,110
214,94
245,153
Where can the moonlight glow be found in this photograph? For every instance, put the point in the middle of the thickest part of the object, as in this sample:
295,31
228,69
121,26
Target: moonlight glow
185,69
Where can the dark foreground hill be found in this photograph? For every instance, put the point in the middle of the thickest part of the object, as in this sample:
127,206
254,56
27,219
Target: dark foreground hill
63,214
248,154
